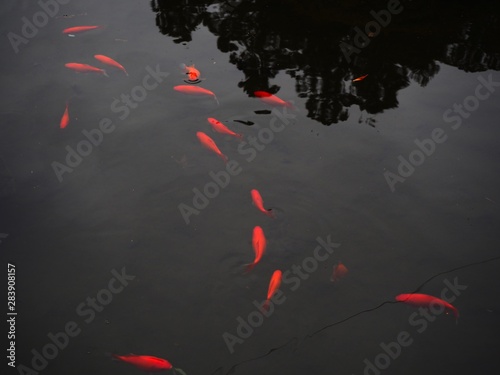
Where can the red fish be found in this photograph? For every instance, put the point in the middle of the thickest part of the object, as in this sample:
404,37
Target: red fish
79,29
360,78
145,362
274,285
425,300
259,247
339,271
109,61
259,203
219,127
271,99
192,73
65,118
210,144
195,90
84,68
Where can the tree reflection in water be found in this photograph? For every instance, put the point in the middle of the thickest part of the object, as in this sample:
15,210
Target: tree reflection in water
303,38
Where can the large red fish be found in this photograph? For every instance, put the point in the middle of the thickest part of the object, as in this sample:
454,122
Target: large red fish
271,99
425,300
85,68
79,29
210,144
219,127
65,118
145,362
259,203
195,90
274,285
109,61
339,271
259,247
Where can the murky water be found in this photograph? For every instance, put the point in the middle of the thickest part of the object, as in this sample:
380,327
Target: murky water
398,172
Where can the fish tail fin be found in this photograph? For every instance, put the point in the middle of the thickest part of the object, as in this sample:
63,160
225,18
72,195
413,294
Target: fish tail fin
216,100
249,267
114,357
265,306
178,371
270,213
104,73
225,158
126,73
239,136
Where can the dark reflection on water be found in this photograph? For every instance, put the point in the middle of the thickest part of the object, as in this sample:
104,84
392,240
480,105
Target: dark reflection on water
305,40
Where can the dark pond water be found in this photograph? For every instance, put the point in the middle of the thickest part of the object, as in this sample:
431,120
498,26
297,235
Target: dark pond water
395,175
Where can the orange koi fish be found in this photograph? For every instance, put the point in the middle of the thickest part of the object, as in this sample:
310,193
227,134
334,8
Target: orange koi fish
65,118
109,61
192,73
360,78
79,29
274,285
259,203
219,127
339,271
84,68
145,362
425,300
271,99
210,144
259,247
195,90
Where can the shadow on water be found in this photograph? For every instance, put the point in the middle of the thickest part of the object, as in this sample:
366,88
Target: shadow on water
319,44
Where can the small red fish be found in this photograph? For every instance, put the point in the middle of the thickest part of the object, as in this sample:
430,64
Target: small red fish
274,285
219,127
195,90
259,247
192,73
79,29
210,144
425,300
360,78
109,61
271,99
65,118
84,68
145,362
339,271
259,203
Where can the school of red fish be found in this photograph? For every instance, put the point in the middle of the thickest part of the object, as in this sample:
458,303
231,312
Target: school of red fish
155,364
